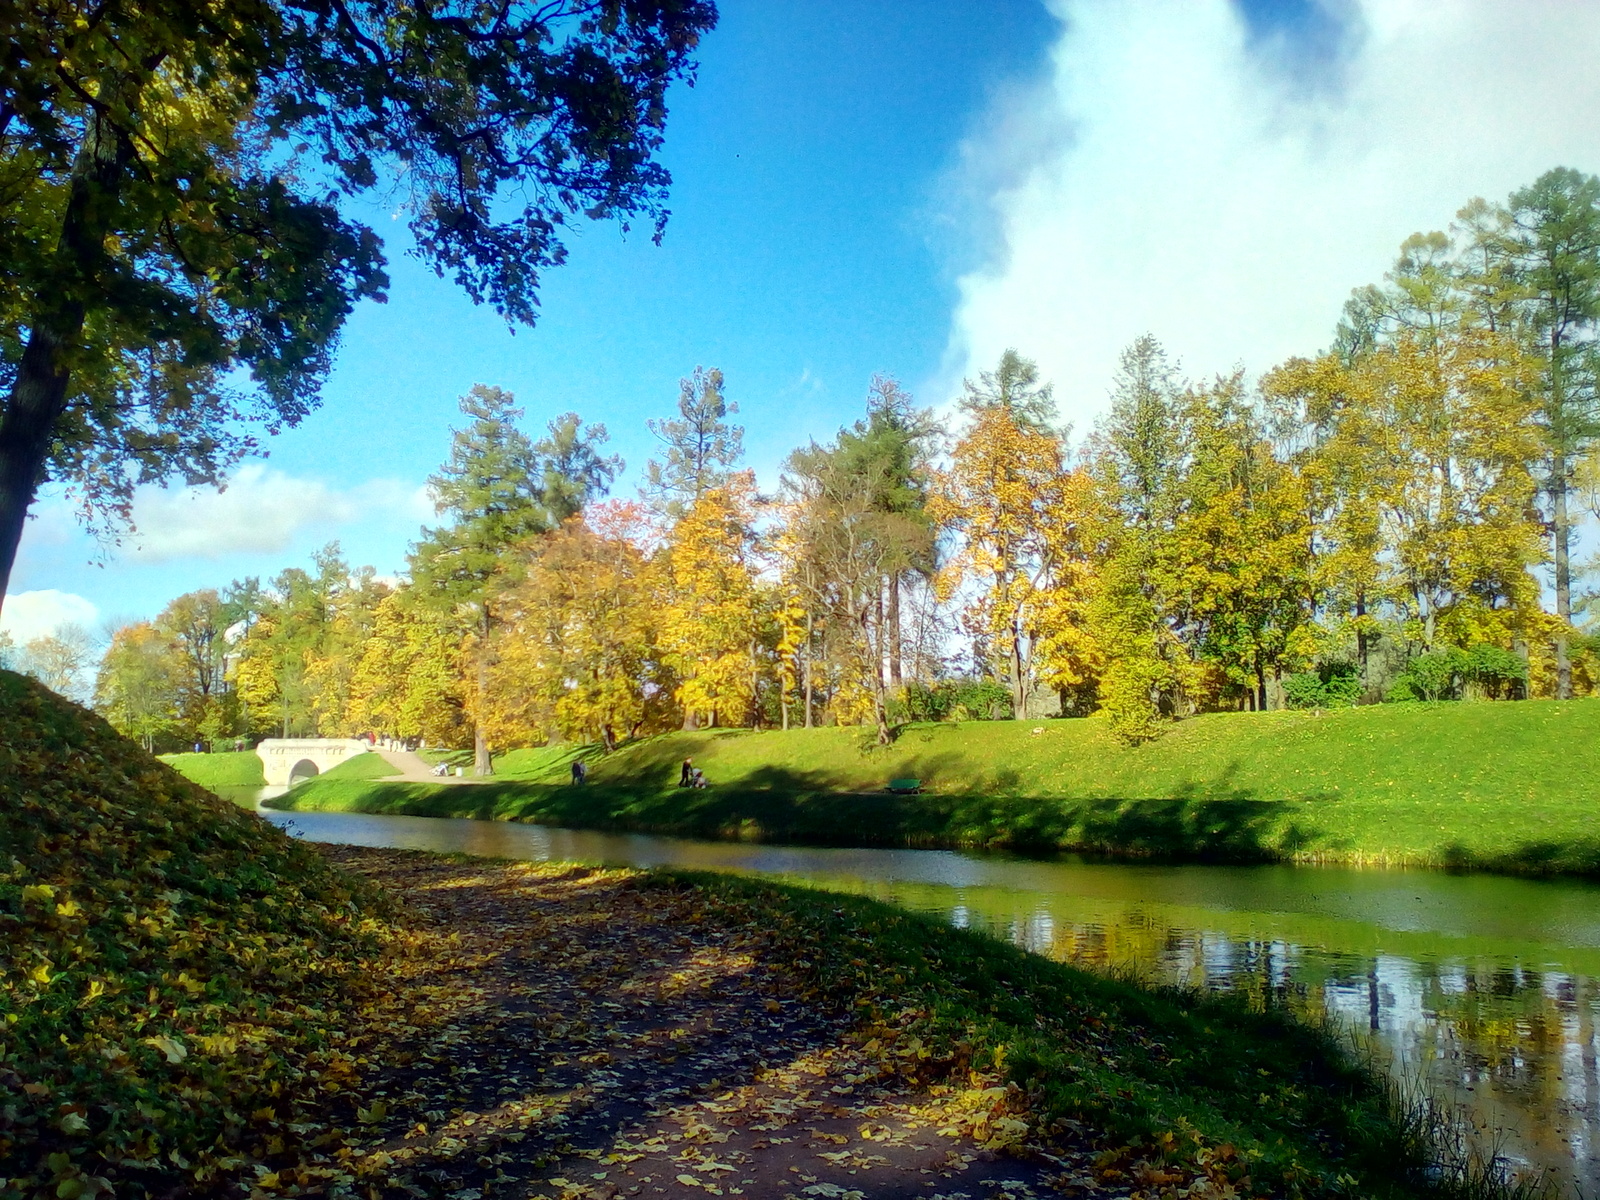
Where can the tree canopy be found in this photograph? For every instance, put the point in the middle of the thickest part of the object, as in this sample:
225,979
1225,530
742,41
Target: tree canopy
179,262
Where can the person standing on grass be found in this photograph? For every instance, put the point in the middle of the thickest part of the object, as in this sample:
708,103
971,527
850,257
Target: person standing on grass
579,771
686,777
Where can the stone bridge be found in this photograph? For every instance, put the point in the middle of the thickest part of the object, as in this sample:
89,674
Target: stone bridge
286,761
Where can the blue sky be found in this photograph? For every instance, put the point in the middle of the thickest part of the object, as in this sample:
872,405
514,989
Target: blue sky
910,188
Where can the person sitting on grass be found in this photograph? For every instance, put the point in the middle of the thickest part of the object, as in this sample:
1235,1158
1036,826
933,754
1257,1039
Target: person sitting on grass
442,768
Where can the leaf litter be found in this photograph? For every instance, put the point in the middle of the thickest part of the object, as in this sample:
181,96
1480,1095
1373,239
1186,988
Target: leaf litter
594,1034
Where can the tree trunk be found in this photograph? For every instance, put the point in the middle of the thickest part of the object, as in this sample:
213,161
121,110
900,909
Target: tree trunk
1019,683
808,692
1361,640
896,667
481,764
755,690
1562,536
39,392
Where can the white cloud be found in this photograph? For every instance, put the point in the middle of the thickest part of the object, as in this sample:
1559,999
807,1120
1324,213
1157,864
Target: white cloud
1171,177
28,615
260,511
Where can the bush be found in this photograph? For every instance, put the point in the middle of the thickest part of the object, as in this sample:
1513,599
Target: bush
1435,676
1445,675
957,700
1500,674
1331,685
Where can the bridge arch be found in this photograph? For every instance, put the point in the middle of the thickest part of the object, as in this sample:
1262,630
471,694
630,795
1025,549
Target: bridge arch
286,761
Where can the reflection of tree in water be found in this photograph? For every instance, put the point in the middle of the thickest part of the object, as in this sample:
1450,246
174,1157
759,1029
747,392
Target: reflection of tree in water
1512,1048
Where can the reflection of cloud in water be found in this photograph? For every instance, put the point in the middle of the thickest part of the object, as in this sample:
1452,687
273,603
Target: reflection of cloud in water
1481,989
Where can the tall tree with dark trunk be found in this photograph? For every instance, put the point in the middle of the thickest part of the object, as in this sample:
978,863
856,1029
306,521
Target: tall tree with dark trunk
169,179
500,488
1551,241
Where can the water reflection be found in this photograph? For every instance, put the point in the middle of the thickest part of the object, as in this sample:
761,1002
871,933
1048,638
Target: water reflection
1483,990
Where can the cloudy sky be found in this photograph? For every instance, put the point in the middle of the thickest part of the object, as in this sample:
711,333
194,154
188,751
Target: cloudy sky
870,185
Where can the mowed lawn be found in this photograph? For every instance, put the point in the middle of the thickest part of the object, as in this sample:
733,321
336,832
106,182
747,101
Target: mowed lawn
1507,786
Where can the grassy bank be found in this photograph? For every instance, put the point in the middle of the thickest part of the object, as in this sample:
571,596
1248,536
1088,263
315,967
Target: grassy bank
992,1048
1504,787
370,765
190,1000
227,768
1167,1080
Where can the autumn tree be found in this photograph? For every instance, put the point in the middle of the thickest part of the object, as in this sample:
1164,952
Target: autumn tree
137,685
60,660
713,607
1140,452
276,657
406,681
1548,246
1018,511
194,627
1238,564
176,254
499,488
577,656
852,545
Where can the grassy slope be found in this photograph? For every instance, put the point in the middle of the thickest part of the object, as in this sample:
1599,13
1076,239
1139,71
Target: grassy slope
228,768
180,984
171,967
1256,1102
363,766
1501,786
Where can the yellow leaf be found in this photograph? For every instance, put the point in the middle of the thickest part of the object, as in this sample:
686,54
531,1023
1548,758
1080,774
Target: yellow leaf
175,1050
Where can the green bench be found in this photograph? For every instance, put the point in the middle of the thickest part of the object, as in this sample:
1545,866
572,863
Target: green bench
905,787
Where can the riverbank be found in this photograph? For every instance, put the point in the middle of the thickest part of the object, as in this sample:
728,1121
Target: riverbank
194,1002
1500,787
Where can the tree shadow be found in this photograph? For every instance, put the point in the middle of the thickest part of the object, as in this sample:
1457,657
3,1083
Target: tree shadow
781,804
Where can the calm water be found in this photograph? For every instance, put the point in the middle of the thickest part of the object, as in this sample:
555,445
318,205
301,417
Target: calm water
1480,989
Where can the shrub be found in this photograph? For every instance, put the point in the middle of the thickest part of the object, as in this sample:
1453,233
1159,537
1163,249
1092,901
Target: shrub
1331,685
1499,674
1435,676
957,700
1445,674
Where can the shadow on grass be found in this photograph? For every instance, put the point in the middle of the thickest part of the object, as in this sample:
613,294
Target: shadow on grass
1580,856
775,804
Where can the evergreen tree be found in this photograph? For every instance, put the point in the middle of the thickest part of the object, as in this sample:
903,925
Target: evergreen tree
702,448
500,489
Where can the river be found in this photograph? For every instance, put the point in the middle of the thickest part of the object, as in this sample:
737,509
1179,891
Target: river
1481,990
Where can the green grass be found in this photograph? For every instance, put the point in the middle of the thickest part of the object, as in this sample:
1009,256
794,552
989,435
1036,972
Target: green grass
1259,1102
177,984
370,765
173,970
1505,787
228,768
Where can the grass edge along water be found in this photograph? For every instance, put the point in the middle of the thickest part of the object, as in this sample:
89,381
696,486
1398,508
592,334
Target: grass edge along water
254,939
1491,786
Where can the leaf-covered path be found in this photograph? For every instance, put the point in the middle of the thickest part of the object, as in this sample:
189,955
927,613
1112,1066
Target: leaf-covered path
584,1033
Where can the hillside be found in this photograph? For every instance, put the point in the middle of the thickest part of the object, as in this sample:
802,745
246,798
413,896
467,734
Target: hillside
1500,786
172,969
193,1005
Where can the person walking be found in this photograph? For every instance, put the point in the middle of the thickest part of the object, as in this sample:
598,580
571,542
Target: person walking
579,771
686,777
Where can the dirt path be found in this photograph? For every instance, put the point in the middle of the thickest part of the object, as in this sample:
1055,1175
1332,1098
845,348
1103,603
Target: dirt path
413,767
603,1038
